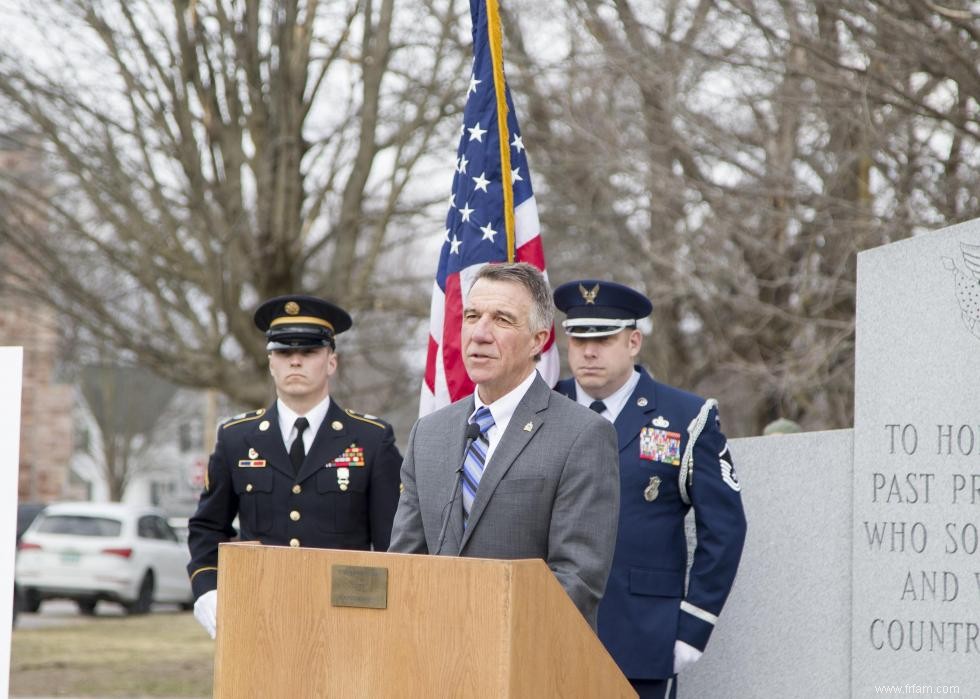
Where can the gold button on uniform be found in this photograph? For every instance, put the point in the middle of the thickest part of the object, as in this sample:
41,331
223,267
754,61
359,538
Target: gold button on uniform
297,489
343,486
294,542
248,488
294,515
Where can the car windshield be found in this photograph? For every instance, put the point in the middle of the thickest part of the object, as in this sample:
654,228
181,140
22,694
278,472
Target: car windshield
79,525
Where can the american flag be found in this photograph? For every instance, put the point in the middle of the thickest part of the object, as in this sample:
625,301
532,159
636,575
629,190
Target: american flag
476,226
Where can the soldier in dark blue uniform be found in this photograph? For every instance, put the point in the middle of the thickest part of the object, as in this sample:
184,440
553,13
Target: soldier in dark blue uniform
303,472
673,456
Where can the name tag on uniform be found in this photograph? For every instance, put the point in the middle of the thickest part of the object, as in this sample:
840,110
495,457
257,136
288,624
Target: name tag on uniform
660,445
251,463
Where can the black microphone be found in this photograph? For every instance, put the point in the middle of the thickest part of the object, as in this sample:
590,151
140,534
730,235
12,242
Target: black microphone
472,432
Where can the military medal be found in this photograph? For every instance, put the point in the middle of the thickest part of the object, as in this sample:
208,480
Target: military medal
353,456
660,445
651,492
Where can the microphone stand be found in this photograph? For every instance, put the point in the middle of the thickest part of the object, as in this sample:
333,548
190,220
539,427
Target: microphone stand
472,432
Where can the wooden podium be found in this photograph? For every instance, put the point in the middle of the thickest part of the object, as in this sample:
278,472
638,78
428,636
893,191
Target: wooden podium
418,626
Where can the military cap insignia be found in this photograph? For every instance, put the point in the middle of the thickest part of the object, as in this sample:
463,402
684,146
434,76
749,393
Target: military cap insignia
652,490
660,445
291,308
589,294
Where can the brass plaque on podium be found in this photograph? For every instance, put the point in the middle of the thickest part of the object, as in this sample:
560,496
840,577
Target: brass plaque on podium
359,586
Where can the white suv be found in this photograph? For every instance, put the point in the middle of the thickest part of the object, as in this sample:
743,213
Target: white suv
102,551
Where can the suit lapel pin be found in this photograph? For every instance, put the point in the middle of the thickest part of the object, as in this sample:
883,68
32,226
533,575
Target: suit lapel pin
528,427
252,454
641,401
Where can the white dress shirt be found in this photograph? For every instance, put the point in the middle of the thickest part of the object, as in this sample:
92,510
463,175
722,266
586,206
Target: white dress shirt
502,411
287,423
614,403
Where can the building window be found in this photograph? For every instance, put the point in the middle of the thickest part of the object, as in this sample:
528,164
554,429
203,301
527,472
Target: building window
185,436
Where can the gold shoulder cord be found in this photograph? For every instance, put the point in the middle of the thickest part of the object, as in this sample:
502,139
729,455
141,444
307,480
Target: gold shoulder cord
362,418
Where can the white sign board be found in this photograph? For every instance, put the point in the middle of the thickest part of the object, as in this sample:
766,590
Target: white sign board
11,368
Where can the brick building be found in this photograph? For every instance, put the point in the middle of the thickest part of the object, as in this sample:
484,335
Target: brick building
46,406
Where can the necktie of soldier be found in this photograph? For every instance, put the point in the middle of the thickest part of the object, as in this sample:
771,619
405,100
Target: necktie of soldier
297,452
598,406
475,459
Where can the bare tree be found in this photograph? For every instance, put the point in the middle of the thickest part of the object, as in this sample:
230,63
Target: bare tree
732,158
126,404
728,157
201,156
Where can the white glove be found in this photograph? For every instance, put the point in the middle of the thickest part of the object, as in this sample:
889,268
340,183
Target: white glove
684,655
206,611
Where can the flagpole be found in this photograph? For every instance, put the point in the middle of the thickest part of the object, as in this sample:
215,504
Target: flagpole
495,34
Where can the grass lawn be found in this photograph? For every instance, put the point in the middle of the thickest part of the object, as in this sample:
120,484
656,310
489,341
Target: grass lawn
164,654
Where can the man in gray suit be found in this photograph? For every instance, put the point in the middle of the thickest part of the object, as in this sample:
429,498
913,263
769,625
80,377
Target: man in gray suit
515,470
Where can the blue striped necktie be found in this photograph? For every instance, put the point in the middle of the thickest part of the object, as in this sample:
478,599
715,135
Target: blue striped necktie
475,459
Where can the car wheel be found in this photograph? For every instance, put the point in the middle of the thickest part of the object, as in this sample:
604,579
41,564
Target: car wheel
30,601
144,598
86,606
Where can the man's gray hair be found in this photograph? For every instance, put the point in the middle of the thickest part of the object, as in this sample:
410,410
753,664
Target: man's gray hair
530,277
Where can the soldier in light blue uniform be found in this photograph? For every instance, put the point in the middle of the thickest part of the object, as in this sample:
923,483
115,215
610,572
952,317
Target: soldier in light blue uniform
673,456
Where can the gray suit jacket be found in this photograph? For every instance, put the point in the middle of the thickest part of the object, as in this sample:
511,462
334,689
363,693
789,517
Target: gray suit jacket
550,491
